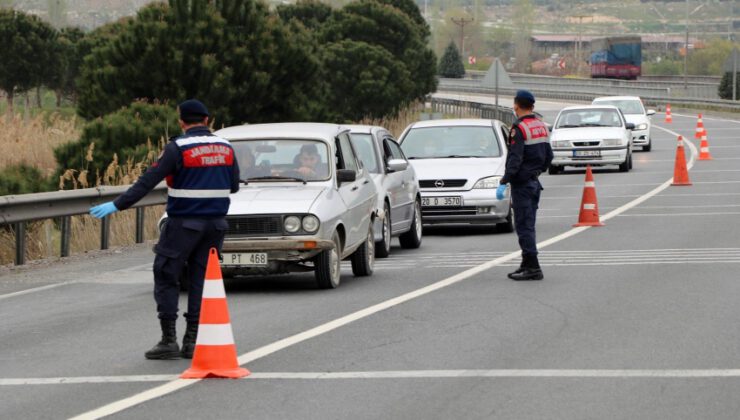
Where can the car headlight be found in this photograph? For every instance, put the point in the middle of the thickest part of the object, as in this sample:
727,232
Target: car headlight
292,224
611,142
559,144
642,126
490,182
310,223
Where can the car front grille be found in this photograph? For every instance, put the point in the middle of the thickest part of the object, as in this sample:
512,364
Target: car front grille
586,143
447,211
255,225
445,183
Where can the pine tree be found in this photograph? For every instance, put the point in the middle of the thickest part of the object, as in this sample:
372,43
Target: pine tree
451,65
725,86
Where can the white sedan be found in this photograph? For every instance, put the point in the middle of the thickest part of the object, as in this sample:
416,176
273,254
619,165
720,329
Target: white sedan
635,113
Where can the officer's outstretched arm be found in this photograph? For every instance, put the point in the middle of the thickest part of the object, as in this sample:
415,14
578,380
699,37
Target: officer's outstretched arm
154,175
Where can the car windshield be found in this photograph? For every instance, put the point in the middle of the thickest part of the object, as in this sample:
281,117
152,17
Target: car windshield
451,142
282,159
627,106
364,146
589,118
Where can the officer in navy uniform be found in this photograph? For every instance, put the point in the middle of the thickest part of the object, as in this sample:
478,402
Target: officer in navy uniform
201,171
529,155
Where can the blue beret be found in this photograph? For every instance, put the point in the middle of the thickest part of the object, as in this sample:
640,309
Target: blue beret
524,94
193,108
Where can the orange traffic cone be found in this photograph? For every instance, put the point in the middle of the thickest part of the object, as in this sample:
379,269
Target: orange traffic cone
215,351
700,130
668,117
680,172
589,215
704,149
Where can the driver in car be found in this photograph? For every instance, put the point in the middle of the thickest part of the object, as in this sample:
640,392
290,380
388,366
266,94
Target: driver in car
308,162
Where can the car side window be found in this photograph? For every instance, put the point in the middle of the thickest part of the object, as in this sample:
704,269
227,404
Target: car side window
347,159
395,149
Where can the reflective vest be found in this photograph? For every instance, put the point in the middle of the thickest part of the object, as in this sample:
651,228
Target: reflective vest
201,187
534,130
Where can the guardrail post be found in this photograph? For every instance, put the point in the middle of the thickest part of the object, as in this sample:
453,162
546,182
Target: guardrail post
104,232
65,227
139,225
20,242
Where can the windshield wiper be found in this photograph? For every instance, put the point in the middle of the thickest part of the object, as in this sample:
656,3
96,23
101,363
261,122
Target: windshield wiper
277,178
595,125
464,156
569,126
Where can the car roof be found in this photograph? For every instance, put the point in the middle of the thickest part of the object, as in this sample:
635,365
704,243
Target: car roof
617,98
283,130
570,108
364,128
453,122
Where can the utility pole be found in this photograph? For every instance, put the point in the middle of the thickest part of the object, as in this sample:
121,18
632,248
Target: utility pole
461,22
579,43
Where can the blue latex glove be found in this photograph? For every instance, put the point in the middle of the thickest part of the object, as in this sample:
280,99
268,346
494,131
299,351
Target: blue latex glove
500,191
103,210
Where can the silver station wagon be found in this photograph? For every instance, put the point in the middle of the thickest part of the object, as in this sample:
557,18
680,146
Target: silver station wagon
399,200
306,204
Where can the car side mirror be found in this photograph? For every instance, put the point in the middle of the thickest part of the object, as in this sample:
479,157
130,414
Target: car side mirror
630,126
346,175
397,165
650,112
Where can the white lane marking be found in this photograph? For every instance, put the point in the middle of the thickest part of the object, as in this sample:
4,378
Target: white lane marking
266,350
411,374
139,267
728,213
706,118
33,290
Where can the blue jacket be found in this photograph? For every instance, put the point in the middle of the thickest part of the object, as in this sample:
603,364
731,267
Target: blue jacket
201,171
530,153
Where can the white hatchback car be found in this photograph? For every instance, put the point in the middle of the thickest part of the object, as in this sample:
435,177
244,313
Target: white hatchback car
635,113
459,163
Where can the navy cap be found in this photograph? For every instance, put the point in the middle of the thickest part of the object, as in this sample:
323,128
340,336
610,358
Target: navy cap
192,108
524,94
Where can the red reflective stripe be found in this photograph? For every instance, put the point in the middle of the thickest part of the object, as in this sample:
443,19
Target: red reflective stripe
533,129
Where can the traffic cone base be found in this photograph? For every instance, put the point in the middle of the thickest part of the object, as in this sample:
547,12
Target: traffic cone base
680,171
215,350
589,214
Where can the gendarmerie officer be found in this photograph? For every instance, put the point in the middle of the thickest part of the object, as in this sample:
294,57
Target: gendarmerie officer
201,171
529,155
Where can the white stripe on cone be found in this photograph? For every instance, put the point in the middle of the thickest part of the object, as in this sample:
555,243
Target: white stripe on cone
589,206
590,184
214,335
214,289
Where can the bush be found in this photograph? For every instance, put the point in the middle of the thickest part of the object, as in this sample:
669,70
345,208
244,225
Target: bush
450,65
725,86
21,179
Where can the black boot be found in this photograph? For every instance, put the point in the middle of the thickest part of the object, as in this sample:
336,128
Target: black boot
188,341
530,269
523,264
166,349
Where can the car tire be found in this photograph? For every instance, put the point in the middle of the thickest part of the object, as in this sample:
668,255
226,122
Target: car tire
383,247
363,259
508,225
647,147
554,170
328,265
625,166
412,238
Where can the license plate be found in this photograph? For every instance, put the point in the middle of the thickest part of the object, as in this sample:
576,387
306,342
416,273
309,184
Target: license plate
441,201
586,153
244,259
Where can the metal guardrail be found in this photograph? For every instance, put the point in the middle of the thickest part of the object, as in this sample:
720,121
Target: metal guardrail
467,108
17,210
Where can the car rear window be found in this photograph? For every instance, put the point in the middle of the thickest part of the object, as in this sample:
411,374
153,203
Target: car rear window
627,106
450,142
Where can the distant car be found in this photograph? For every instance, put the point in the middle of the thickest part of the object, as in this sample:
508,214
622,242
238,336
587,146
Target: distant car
399,200
635,113
459,163
306,204
595,135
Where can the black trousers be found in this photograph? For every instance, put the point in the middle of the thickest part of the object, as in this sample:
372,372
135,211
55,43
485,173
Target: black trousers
184,240
525,202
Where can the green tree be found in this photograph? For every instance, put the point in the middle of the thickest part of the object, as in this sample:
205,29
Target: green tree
21,179
725,86
311,13
70,55
124,133
245,63
451,65
710,59
367,81
27,52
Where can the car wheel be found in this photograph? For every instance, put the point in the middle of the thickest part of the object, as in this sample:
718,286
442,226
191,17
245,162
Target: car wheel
554,170
412,238
630,162
383,248
508,225
625,166
363,259
328,265
647,147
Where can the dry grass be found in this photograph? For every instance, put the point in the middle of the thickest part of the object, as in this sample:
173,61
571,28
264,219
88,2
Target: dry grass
398,123
32,141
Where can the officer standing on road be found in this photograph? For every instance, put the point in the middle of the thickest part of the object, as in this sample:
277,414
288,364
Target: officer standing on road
201,171
529,155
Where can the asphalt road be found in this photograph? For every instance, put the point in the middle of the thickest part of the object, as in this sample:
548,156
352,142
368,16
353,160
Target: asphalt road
634,320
